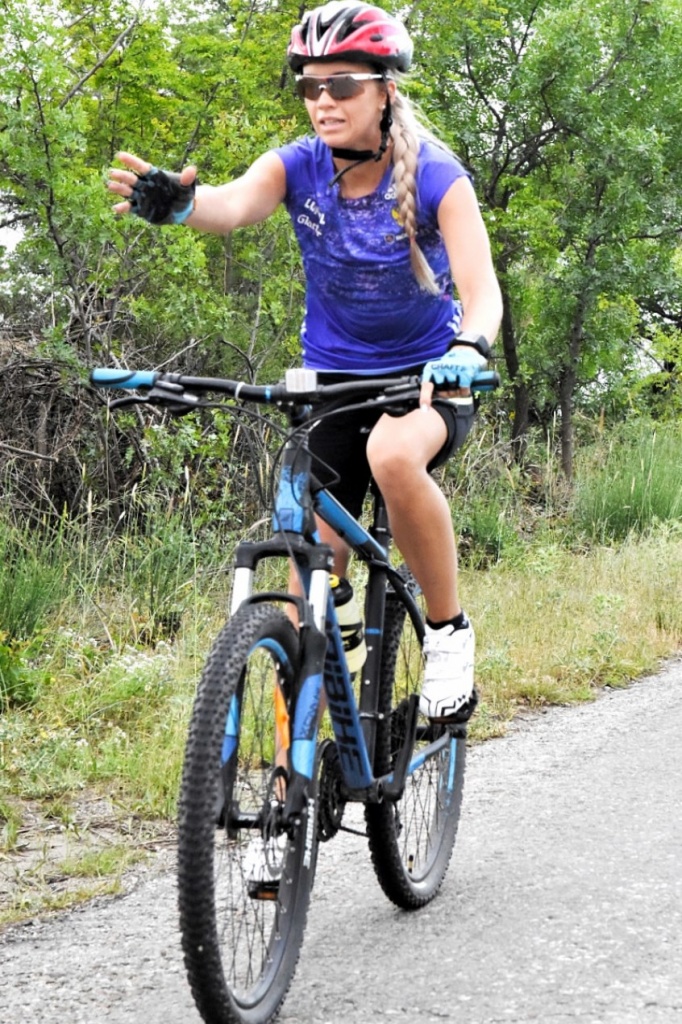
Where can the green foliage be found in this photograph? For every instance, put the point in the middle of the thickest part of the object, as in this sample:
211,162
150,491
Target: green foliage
487,533
180,84
630,483
660,393
17,683
31,584
158,573
564,113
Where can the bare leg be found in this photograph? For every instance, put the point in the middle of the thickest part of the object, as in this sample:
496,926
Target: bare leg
399,450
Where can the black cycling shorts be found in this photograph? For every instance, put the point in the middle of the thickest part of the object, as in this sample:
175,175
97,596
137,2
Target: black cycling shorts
339,443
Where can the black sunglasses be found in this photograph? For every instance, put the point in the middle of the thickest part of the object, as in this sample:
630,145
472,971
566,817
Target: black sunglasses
339,87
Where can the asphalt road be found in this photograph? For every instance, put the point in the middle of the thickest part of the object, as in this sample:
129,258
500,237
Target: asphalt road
563,903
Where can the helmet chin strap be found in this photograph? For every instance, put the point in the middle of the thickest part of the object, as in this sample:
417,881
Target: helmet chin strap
361,156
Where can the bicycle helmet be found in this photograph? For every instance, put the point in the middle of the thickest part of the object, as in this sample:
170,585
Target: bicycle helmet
342,30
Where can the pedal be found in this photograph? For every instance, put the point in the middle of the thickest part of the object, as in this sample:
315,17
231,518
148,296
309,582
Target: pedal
263,864
263,890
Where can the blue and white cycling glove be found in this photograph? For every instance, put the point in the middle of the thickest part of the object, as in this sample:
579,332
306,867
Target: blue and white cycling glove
461,364
159,198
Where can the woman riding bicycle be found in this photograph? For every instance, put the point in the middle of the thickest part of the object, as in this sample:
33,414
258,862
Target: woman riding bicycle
389,227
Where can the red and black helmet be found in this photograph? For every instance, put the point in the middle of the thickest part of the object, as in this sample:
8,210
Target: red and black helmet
342,30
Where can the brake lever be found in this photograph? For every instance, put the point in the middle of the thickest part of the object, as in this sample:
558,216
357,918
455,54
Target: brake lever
165,394
119,403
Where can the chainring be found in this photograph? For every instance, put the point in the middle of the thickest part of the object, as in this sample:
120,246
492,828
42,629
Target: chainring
331,802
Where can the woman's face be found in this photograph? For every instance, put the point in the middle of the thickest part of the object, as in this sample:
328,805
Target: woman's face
351,123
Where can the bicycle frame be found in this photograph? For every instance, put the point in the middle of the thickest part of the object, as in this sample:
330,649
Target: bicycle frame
323,667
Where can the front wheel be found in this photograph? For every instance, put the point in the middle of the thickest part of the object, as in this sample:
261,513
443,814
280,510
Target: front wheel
411,840
244,880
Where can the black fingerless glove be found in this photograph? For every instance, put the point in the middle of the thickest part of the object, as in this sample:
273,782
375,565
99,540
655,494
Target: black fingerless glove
158,197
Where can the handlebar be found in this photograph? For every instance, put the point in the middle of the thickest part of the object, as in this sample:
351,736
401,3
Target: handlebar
182,393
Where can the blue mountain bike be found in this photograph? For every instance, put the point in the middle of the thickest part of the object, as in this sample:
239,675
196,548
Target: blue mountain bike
262,785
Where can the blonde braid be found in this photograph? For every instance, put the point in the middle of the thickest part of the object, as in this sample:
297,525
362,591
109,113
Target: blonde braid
406,133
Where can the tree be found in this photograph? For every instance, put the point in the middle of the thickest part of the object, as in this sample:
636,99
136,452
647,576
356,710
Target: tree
554,106
79,82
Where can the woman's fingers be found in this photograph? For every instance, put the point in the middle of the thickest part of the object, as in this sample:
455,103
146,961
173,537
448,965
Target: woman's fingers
187,175
425,394
122,181
135,163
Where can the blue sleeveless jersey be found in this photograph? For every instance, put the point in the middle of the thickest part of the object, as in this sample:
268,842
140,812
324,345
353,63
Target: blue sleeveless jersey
365,312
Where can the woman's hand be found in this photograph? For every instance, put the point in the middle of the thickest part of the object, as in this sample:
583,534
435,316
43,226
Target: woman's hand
459,367
159,197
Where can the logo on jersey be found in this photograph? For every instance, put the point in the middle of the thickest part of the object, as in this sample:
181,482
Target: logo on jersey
315,219
401,236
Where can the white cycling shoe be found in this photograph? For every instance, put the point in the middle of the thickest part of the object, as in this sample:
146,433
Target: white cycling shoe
448,690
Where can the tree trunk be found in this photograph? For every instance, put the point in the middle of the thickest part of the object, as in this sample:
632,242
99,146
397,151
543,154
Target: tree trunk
521,396
569,374
566,389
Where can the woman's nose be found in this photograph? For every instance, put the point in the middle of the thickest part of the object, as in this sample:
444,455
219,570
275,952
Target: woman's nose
324,99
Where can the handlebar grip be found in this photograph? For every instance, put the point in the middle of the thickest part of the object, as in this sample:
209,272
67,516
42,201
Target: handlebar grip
487,380
107,378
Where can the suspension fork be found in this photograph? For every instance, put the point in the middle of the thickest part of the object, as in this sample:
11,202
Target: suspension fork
295,733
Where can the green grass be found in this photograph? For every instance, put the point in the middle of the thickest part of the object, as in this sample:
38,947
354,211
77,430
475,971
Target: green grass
571,623
630,482
111,861
10,823
31,900
32,583
550,631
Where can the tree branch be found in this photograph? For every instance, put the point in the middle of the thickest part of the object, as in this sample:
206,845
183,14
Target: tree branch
16,219
478,88
117,42
193,138
29,455
617,57
525,36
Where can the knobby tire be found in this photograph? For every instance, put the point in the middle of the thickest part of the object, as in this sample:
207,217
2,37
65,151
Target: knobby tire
411,840
240,952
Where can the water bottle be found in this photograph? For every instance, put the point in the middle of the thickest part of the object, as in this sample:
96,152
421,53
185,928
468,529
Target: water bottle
350,623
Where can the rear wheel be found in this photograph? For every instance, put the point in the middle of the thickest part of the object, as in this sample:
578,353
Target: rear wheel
244,881
411,840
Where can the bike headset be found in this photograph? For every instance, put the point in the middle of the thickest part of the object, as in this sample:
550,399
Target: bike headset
340,30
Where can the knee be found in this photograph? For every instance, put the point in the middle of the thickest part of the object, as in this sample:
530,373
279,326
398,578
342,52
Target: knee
393,466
